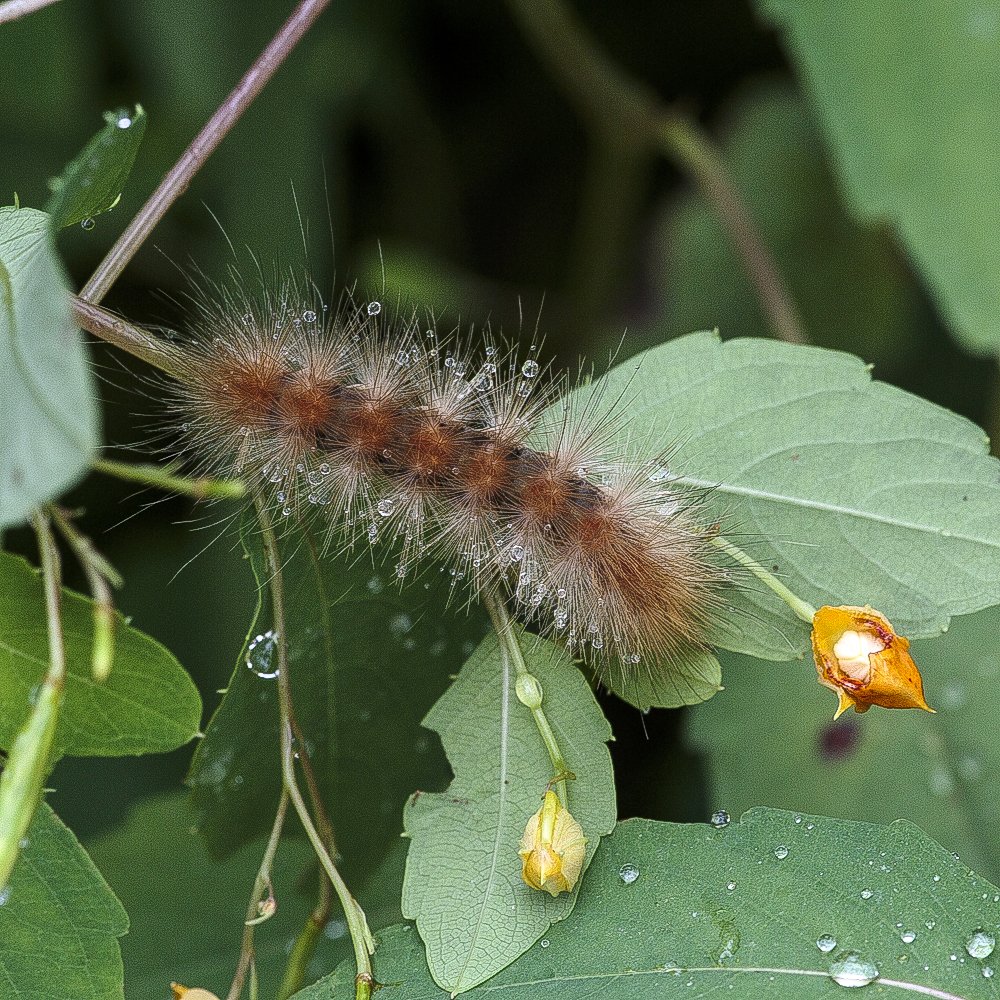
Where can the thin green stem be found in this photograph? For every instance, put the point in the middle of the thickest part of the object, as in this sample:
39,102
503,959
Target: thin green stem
255,913
357,923
164,479
802,609
101,576
177,179
28,761
303,949
529,690
615,105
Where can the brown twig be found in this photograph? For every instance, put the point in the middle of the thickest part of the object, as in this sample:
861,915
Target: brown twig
619,109
177,179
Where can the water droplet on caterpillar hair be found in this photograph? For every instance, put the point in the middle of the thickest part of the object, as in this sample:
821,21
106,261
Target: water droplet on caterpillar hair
286,511
280,496
633,658
402,358
530,368
374,308
385,506
372,532
324,469
516,553
597,642
561,616
309,316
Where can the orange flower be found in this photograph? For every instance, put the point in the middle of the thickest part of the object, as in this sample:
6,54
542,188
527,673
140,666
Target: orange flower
859,656
552,848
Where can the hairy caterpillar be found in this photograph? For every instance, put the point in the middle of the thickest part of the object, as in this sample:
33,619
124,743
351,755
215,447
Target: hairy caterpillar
388,433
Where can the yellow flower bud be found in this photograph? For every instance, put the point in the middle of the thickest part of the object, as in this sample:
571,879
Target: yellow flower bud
859,656
552,848
184,993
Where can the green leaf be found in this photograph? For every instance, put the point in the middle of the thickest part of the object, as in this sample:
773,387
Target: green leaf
93,182
367,662
907,96
48,412
936,770
187,910
850,491
463,875
738,912
148,705
693,676
59,921
848,281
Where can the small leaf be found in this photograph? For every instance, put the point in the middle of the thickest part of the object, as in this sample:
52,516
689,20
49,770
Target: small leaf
942,767
148,705
907,96
688,679
48,412
367,661
93,182
769,908
849,490
59,921
463,875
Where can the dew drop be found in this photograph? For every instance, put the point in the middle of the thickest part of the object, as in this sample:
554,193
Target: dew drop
980,943
374,308
385,507
851,970
719,819
544,942
730,886
826,943
516,553
866,894
324,469
87,224
530,369
4,895
908,937
260,654
987,972
781,852
628,873
309,316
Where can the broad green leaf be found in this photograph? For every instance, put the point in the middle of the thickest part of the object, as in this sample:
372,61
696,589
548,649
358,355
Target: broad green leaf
48,412
907,95
186,911
59,921
693,676
937,770
463,875
851,288
148,705
849,490
765,909
367,662
93,182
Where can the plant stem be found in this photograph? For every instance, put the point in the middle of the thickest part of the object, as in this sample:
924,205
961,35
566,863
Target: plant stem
163,478
802,610
261,883
28,760
177,179
101,576
610,101
124,335
357,923
305,945
511,652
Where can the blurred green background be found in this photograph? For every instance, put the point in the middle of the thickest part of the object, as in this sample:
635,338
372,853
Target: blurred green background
426,140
